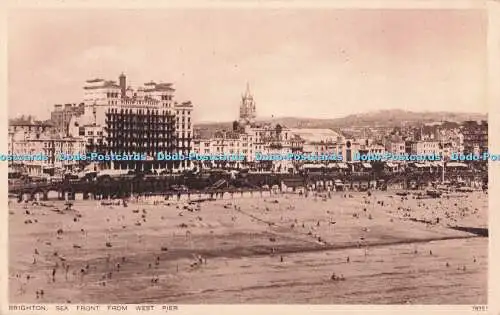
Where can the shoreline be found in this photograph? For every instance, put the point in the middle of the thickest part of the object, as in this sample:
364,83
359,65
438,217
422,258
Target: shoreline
242,244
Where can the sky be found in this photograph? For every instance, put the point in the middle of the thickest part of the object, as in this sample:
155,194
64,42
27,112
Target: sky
318,63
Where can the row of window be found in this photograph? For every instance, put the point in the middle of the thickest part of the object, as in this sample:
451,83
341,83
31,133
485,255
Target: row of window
151,117
156,145
112,95
183,119
140,122
140,112
158,128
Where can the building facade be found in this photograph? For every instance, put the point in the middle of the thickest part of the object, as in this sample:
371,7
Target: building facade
42,139
145,132
475,137
61,116
426,148
146,121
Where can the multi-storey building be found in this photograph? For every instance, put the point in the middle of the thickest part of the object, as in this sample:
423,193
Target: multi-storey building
62,115
120,120
183,130
368,146
41,139
141,131
272,140
475,137
92,134
426,148
395,145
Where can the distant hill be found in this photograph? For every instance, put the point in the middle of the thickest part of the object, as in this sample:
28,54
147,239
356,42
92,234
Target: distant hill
392,118
382,118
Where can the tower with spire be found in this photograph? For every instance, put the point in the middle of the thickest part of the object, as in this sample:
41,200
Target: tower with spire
247,107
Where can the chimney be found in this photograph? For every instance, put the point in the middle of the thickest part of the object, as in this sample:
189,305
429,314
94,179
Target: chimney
123,84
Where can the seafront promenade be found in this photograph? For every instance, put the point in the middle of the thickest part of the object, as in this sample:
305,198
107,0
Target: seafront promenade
127,185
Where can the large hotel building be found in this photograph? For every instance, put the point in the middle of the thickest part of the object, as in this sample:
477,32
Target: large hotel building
120,120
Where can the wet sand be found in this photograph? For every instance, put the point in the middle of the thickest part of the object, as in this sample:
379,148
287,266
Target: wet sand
270,249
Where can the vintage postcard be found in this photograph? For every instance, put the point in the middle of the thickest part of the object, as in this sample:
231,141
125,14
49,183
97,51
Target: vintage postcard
221,157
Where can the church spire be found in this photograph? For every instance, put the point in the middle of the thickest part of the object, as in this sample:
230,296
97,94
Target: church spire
247,106
248,94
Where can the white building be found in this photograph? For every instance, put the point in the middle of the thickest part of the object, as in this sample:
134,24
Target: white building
36,138
105,96
396,147
426,148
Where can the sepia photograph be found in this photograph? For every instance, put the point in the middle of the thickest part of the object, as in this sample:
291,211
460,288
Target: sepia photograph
247,155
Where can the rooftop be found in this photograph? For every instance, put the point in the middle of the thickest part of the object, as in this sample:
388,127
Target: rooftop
316,135
29,121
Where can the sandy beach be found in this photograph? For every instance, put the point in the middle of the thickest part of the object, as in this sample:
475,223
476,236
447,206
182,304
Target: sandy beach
349,248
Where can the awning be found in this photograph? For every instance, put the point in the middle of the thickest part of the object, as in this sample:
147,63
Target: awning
456,164
390,164
367,165
420,165
315,166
